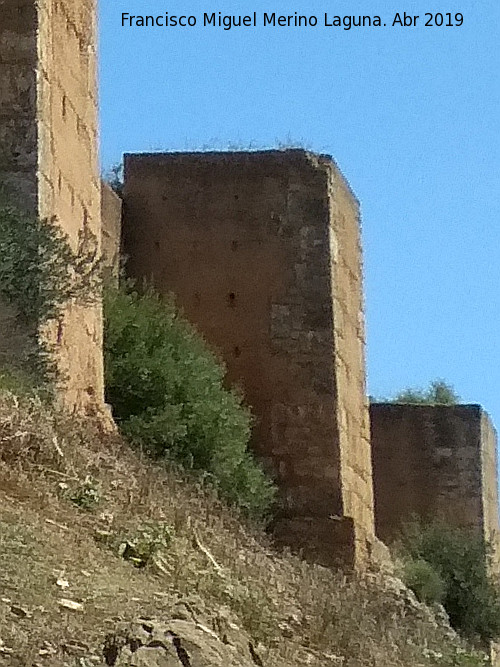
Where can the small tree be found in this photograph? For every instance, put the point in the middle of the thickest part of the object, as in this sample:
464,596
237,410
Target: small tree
114,178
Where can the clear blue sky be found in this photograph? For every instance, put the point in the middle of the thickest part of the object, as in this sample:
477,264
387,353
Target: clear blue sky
410,114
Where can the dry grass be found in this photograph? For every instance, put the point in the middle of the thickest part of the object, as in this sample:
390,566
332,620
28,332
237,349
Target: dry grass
71,494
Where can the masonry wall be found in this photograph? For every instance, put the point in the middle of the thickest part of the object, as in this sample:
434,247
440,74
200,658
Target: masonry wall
349,352
489,462
48,153
436,462
68,171
111,222
249,243
18,130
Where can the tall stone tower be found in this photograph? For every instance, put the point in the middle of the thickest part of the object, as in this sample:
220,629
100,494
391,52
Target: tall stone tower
49,154
262,252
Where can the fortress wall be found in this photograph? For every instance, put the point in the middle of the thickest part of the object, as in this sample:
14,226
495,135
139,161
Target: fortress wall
48,148
18,131
111,220
68,174
435,461
244,242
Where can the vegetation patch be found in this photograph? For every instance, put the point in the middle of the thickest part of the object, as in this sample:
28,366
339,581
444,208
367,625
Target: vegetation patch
168,396
39,274
439,392
148,541
423,579
450,565
85,495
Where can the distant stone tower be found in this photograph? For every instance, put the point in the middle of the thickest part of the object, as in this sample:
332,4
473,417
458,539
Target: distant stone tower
262,252
48,150
435,462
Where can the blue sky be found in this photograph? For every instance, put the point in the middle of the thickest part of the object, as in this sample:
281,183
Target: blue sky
411,115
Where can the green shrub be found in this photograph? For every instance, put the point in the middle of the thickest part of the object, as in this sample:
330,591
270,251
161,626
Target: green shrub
16,382
167,394
35,264
457,657
421,577
438,393
39,271
85,495
150,539
470,595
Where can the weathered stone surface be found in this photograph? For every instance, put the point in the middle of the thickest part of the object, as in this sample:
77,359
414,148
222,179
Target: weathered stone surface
434,461
177,643
262,252
48,153
111,220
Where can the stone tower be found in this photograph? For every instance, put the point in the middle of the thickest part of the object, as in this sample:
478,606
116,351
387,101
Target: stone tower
262,251
435,462
48,151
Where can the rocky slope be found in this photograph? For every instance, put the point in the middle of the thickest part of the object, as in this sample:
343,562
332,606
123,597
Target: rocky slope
108,559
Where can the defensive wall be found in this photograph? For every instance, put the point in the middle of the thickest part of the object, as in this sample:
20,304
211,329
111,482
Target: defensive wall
48,154
262,252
